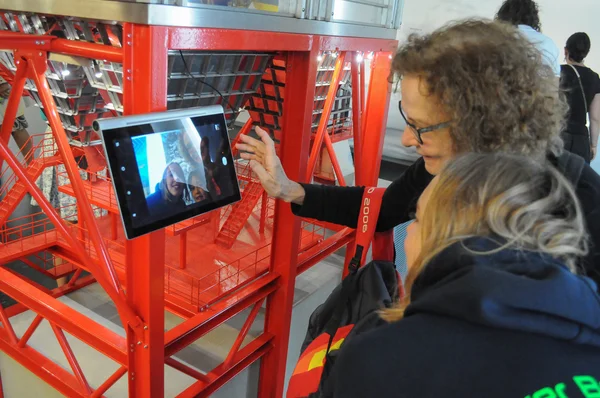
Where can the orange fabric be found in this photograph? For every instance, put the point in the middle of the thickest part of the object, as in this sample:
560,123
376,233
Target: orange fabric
308,371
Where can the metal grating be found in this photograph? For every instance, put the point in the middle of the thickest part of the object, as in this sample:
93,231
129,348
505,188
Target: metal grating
209,78
82,92
342,106
266,106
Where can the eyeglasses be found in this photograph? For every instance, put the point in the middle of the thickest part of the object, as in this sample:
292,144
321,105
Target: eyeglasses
418,131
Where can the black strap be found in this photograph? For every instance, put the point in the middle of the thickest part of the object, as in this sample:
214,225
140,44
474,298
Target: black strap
365,231
581,87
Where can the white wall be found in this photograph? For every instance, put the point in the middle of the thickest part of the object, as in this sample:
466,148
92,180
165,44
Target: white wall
559,20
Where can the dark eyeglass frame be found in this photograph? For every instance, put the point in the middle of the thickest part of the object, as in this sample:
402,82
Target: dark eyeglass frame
418,131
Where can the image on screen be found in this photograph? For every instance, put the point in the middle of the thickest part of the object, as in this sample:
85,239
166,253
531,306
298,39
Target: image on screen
182,165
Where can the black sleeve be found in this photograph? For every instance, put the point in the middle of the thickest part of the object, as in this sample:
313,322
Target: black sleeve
341,205
588,192
400,198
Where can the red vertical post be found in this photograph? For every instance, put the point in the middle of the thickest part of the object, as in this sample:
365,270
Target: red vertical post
14,100
375,118
263,213
357,90
182,250
324,120
299,93
145,90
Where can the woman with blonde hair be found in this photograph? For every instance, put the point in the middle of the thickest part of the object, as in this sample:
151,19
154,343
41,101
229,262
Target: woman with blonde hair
494,305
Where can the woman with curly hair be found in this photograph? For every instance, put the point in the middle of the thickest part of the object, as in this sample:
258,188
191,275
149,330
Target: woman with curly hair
524,14
469,87
494,306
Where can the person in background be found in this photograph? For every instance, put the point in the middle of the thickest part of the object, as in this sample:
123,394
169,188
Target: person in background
467,87
210,169
198,193
581,85
19,130
494,306
524,14
168,197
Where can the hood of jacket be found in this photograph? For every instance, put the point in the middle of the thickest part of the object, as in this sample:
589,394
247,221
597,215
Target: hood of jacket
511,289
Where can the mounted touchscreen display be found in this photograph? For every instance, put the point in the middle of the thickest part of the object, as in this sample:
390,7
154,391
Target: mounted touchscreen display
170,166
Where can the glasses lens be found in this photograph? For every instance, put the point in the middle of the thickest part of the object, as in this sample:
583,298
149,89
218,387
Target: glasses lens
410,125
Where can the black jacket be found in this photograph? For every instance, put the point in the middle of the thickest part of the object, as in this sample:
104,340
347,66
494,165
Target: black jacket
506,325
341,205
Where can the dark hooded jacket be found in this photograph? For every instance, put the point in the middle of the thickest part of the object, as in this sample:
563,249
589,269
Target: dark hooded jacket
511,324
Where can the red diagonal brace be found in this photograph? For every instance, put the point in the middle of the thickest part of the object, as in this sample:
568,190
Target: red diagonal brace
66,347
322,128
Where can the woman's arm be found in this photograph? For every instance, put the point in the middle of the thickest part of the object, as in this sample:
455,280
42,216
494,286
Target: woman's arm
337,205
594,124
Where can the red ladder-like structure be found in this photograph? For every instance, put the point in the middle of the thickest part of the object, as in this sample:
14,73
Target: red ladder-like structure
138,275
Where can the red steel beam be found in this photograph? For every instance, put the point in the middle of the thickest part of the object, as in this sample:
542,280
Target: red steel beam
66,348
30,330
244,131
376,109
357,44
324,249
363,91
14,100
235,40
44,368
183,368
375,119
85,329
298,108
356,117
109,382
334,161
324,121
47,43
6,325
106,274
145,91
87,50
240,338
192,329
221,375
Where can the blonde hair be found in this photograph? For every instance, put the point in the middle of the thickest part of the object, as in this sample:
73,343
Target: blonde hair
523,204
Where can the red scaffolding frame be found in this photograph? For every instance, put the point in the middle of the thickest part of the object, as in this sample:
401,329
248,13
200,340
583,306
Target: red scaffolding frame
138,287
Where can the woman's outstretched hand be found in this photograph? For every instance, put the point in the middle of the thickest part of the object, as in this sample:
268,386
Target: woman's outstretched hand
267,166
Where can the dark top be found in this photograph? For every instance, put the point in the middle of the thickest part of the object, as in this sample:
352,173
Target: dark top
506,325
341,205
159,207
570,85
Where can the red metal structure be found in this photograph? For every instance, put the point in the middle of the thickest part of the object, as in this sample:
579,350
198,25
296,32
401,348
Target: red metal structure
158,272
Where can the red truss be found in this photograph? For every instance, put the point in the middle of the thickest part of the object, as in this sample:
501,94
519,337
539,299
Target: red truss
207,269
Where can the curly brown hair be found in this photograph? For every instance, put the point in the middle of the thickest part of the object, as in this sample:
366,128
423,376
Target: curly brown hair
520,12
493,85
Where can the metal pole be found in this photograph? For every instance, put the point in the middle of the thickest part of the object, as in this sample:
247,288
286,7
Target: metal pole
145,90
14,100
376,110
299,93
375,117
356,119
327,106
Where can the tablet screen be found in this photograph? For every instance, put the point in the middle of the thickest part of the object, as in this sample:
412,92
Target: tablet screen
166,171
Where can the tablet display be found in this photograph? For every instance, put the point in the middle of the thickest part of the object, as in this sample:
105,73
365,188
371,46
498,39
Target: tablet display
170,166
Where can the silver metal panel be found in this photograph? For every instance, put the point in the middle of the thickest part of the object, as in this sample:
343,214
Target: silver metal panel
208,17
134,120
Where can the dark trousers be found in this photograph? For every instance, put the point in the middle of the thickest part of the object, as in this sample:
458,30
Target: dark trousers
577,140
